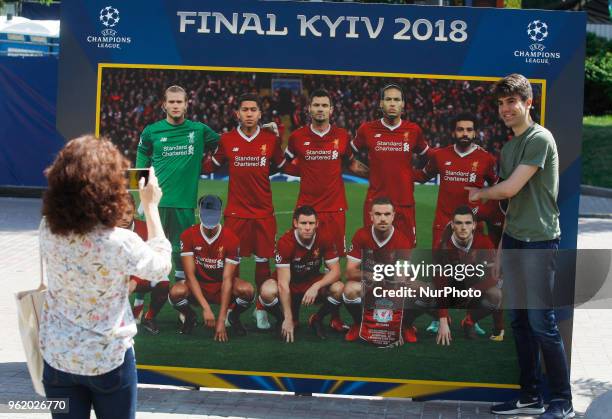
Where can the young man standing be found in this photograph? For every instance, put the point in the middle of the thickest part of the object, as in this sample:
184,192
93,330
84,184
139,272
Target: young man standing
530,169
390,144
252,155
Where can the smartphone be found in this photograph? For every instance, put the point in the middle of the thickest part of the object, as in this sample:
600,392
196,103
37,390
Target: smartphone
134,175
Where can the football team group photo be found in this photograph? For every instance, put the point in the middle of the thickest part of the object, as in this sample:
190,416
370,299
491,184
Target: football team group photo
282,192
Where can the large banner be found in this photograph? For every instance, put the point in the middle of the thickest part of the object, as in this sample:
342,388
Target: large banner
118,58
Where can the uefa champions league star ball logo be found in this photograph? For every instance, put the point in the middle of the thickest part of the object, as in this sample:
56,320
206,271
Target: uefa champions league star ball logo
537,30
109,16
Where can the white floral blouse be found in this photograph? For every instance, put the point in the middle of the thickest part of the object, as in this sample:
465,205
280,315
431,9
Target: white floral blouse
87,324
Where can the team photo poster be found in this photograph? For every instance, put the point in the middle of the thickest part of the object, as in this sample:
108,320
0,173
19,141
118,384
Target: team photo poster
441,62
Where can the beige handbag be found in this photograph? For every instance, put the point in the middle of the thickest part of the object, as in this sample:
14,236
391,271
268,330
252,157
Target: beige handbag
29,308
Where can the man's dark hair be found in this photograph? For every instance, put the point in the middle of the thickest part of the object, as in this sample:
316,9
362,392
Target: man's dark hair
513,84
388,87
174,89
464,210
464,116
248,97
320,93
304,210
381,200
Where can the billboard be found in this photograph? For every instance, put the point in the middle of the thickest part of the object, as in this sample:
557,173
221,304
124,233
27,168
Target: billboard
117,60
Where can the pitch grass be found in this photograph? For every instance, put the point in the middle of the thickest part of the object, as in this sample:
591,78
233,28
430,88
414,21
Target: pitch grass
472,361
596,151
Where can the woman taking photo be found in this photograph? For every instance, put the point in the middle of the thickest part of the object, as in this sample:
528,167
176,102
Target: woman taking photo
87,327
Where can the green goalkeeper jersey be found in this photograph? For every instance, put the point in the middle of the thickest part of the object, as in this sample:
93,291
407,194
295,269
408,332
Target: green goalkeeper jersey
176,151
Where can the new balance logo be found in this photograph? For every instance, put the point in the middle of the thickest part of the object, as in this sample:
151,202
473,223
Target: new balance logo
306,142
198,248
448,163
163,139
377,135
235,149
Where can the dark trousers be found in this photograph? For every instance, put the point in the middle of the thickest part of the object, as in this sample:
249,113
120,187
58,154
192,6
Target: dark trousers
113,395
529,276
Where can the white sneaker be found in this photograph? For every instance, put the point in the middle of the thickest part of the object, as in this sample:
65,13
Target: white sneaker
227,322
261,316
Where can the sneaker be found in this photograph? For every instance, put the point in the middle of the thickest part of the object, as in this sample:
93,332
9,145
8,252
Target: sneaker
479,330
227,322
433,327
522,406
338,325
150,326
410,334
353,333
468,329
559,409
138,311
317,326
261,317
238,328
497,336
186,328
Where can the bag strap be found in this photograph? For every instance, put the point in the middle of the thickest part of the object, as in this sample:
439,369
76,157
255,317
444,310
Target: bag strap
40,254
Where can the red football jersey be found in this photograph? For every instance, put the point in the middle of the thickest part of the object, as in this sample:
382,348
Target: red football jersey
367,249
249,194
140,228
457,170
390,151
480,251
320,157
305,261
210,255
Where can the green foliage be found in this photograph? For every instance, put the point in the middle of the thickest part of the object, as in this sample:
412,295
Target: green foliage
598,76
598,84
596,151
512,4
596,45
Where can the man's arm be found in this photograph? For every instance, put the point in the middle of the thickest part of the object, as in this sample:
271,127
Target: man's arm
144,150
190,273
229,272
329,278
284,294
212,163
507,188
210,138
358,168
353,269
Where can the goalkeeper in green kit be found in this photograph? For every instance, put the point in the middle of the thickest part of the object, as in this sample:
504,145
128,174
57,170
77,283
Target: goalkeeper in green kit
175,146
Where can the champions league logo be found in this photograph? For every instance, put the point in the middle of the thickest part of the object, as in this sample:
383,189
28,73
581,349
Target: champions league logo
537,31
109,17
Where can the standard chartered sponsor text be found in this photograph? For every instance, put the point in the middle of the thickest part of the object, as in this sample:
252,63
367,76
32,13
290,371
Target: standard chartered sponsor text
177,150
389,146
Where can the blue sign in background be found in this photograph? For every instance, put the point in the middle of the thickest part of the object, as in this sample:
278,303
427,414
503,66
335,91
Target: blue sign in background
543,45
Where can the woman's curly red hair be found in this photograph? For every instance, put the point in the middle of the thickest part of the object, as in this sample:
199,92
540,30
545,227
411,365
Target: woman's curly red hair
87,187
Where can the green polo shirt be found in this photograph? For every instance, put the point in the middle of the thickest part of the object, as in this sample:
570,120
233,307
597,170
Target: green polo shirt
533,214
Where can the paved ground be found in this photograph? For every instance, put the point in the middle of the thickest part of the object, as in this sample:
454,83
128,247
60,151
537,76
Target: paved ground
591,354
